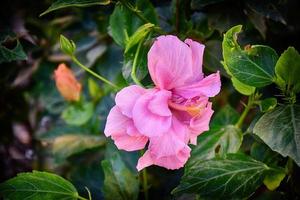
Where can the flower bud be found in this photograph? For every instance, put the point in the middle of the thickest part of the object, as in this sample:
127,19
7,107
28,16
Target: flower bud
66,83
67,46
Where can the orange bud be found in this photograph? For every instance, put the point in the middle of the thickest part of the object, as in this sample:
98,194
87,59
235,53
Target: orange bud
66,83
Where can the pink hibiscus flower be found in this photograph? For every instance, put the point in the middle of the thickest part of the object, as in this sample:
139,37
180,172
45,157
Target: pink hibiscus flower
172,114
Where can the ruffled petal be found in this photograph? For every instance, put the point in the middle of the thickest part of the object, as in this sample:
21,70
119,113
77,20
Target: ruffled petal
126,98
169,150
146,121
200,123
122,131
170,62
197,58
210,86
159,103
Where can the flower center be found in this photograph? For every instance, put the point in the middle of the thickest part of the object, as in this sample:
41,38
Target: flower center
192,106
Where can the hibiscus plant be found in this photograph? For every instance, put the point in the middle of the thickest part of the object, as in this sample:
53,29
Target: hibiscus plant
165,100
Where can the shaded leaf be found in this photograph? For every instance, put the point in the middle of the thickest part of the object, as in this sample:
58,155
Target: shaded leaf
198,4
38,185
119,182
280,130
78,114
267,104
59,4
253,66
274,178
67,145
8,54
288,69
235,176
222,138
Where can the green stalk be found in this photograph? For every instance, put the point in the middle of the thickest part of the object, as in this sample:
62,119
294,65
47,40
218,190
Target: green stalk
93,73
246,111
145,180
81,198
134,65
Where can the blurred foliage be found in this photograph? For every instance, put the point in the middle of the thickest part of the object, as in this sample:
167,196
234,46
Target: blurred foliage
41,131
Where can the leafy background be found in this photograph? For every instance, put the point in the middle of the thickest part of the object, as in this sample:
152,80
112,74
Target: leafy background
40,131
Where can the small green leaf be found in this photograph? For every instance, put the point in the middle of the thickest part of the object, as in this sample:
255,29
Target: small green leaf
267,104
119,182
59,4
67,145
10,54
38,185
253,66
222,138
123,23
94,89
235,176
288,69
280,130
139,35
67,46
274,178
78,114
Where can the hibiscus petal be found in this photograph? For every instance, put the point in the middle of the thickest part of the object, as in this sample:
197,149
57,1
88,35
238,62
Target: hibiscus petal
200,123
197,57
159,104
168,150
117,126
148,123
170,62
126,98
210,86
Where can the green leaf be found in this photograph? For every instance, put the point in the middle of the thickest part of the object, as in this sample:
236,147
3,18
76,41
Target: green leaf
267,104
280,130
38,185
59,4
235,176
198,4
67,145
274,178
139,35
253,66
261,152
78,114
222,138
288,69
123,23
10,54
238,85
119,182
67,46
94,89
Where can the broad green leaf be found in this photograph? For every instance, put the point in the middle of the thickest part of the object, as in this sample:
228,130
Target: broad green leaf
280,130
59,4
261,152
267,104
288,69
235,176
123,23
222,138
8,54
273,179
78,114
67,145
119,182
253,66
38,185
139,35
238,85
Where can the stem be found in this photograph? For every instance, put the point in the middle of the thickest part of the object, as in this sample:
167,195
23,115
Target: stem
93,73
145,183
81,198
134,65
145,180
246,111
